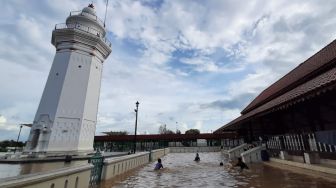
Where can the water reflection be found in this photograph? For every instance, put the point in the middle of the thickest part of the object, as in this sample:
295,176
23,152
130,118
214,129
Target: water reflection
11,170
181,171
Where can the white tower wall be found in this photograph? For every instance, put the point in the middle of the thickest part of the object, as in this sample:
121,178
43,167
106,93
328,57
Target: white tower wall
65,121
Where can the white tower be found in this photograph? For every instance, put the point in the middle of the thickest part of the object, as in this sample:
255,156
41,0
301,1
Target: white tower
65,121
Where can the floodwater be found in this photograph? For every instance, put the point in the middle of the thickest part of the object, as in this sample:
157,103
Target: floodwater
181,171
11,170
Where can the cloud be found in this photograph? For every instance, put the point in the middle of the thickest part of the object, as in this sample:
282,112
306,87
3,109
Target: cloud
237,102
192,62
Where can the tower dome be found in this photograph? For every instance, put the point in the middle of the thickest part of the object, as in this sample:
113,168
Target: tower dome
88,20
90,9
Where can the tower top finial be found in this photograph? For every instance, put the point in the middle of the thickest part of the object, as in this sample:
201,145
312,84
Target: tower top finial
90,9
91,5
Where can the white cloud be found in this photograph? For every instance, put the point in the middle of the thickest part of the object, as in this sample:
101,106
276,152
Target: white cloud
237,48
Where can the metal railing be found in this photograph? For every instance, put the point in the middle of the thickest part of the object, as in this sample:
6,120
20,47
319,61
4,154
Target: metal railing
299,142
94,17
231,143
84,28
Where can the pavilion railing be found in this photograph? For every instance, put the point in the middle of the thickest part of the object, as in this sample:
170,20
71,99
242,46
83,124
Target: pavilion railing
84,28
306,142
231,143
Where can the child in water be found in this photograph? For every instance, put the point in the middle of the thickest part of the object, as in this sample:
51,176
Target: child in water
197,158
241,164
158,165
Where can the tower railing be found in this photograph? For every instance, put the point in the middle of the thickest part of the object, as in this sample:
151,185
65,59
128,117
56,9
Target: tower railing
94,17
84,28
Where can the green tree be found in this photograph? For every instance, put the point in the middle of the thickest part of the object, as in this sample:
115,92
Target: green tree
193,131
163,130
112,133
10,143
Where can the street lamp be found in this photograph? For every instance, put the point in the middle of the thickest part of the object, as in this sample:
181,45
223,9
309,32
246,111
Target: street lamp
136,124
17,141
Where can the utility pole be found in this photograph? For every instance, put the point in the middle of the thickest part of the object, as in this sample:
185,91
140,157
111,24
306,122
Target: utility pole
136,124
17,141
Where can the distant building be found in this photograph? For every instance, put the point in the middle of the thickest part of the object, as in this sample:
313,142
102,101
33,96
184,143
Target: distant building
65,121
155,141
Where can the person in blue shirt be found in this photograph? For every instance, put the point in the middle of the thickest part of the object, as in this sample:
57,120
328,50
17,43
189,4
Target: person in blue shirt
158,165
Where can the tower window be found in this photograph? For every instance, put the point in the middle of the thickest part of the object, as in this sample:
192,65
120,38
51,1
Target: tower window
56,73
79,66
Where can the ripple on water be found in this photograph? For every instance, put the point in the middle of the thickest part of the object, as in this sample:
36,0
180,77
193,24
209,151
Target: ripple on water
181,171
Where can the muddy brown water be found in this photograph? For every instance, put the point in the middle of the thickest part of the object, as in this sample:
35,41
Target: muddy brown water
181,171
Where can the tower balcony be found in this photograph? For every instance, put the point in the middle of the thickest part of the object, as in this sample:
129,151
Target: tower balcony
88,15
81,27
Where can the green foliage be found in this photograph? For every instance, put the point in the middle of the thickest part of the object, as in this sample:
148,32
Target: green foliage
163,130
111,133
193,131
10,143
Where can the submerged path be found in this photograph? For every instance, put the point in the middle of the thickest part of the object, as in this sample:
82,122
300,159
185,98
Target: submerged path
181,171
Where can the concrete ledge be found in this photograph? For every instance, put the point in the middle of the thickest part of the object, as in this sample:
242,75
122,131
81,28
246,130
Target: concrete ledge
119,165
194,149
155,154
58,158
125,157
252,155
235,152
311,167
36,178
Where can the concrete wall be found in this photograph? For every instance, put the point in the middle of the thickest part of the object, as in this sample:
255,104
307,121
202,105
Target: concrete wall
118,165
317,168
74,177
155,154
194,149
252,155
235,152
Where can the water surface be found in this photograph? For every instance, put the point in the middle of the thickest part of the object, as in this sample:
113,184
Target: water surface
181,171
12,170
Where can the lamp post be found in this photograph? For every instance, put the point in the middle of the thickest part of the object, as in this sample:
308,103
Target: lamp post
136,125
17,141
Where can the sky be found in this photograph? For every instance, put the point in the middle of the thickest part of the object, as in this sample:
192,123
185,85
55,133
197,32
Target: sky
190,64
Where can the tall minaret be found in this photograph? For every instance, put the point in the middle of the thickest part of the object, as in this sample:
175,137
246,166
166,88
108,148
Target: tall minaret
65,121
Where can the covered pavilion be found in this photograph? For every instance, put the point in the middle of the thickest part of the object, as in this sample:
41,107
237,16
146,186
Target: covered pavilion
296,113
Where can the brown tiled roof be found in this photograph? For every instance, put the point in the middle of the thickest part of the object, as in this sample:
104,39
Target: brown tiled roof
300,74
323,80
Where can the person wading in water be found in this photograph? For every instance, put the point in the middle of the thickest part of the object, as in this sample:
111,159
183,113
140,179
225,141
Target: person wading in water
158,165
197,158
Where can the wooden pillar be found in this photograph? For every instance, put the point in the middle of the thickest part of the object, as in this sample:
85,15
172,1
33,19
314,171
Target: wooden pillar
250,131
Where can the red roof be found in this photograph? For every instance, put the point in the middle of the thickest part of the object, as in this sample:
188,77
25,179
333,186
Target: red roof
297,76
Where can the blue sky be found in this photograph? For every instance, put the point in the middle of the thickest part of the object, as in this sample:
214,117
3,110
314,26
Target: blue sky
197,63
